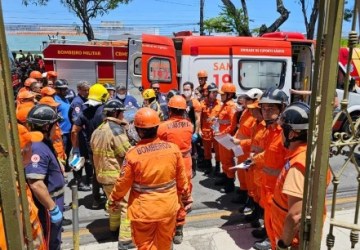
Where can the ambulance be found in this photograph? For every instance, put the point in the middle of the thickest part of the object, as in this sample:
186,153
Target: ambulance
97,61
281,59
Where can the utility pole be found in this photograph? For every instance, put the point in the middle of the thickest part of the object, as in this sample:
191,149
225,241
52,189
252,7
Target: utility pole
202,17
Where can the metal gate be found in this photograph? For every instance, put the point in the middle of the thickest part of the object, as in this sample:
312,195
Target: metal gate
323,143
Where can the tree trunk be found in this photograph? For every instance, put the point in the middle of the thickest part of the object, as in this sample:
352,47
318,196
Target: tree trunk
240,25
88,30
202,17
310,29
246,18
284,15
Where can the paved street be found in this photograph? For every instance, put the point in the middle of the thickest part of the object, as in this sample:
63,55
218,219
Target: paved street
214,222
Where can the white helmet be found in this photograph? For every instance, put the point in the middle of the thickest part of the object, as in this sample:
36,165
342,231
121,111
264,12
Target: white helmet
254,94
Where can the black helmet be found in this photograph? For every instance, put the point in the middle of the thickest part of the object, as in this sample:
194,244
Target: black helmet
41,115
70,94
212,87
296,116
171,93
61,84
109,86
114,105
274,95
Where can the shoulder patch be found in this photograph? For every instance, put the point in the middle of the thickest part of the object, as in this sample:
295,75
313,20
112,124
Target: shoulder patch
35,158
77,109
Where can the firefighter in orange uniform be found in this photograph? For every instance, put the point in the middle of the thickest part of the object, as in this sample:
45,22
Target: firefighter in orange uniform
178,130
273,103
36,75
25,99
246,122
202,78
27,85
154,172
225,116
254,174
289,189
25,138
47,91
210,108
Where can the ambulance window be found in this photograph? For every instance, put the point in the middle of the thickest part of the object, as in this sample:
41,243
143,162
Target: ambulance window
159,70
137,66
261,74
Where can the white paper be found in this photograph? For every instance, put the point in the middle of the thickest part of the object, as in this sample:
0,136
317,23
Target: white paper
227,142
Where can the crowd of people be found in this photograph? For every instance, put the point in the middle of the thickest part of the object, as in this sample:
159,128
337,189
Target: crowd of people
144,164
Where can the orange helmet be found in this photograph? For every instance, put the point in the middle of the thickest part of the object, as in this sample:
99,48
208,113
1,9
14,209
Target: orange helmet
177,102
29,81
228,88
51,74
146,118
22,113
35,74
202,73
25,95
47,91
48,100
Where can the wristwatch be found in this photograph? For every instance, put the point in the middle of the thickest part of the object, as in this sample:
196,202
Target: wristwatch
281,246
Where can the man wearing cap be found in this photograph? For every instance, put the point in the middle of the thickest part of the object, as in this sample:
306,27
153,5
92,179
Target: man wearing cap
128,100
111,89
161,99
90,118
76,108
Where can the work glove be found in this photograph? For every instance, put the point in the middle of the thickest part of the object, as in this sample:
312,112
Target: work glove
195,137
56,215
112,205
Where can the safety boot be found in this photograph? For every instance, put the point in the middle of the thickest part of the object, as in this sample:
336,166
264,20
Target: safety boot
217,169
263,245
259,233
178,238
208,167
229,185
221,180
241,198
126,245
249,207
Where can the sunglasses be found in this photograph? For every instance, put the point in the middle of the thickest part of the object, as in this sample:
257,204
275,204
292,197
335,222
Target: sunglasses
155,88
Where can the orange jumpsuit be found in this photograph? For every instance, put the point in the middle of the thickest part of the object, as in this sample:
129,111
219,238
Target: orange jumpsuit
257,145
274,161
209,111
178,130
226,115
296,159
246,122
154,171
58,144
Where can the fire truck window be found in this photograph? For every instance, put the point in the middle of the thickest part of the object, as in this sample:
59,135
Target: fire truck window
261,74
137,66
159,70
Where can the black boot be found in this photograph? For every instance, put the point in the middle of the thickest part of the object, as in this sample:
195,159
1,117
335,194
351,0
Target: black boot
241,198
259,233
229,185
208,167
193,168
221,180
178,238
217,169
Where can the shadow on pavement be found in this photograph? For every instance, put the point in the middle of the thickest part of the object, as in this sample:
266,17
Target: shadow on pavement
99,229
87,202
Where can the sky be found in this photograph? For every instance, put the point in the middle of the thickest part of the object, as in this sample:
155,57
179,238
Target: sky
168,15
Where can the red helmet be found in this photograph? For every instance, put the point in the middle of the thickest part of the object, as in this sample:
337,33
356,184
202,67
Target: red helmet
146,118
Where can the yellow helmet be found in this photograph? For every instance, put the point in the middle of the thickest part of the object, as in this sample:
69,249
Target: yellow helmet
98,92
148,93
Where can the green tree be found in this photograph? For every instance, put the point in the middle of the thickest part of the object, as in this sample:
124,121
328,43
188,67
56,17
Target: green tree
85,10
217,24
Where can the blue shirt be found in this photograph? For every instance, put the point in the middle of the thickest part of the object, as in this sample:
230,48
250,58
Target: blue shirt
63,109
129,101
44,166
77,107
161,99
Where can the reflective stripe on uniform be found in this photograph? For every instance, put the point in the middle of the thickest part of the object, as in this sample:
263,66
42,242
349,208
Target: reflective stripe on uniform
150,189
271,171
224,122
112,173
57,193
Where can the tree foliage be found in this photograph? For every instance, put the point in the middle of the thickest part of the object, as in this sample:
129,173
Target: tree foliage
85,10
217,24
